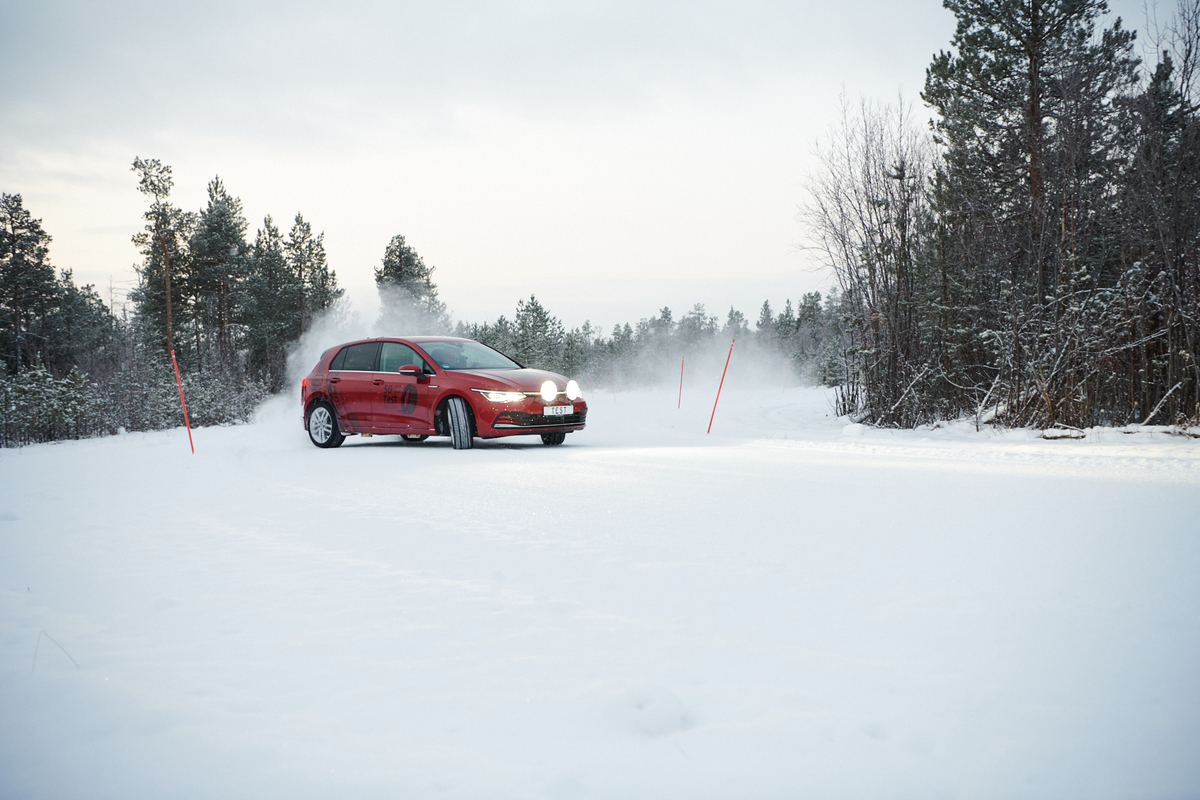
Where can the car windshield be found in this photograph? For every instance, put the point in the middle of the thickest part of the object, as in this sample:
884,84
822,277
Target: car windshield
467,355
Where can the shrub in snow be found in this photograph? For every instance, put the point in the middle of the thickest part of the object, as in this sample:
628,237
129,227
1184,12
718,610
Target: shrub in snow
37,407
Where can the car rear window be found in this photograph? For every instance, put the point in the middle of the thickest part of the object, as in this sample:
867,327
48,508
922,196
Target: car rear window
359,357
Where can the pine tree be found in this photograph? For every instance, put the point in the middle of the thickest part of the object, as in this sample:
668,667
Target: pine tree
538,336
696,328
27,284
408,296
213,283
622,343
317,284
163,244
655,334
785,327
766,325
1024,194
579,348
1156,316
270,324
502,335
810,325
80,332
736,326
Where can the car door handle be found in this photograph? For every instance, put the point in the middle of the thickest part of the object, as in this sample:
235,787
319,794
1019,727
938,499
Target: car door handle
378,381
335,380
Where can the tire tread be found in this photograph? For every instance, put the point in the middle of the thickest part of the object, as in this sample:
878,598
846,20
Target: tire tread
460,423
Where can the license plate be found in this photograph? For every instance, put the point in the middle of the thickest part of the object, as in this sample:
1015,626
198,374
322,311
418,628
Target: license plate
557,411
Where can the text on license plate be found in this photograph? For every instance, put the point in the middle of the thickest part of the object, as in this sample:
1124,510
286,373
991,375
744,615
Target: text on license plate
557,411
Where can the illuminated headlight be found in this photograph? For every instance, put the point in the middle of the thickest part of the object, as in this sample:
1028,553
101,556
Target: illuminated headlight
573,392
549,391
504,397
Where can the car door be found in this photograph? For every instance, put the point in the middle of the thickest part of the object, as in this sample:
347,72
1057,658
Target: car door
401,402
353,386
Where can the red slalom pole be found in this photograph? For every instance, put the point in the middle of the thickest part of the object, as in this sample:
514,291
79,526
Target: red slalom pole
680,403
183,402
714,413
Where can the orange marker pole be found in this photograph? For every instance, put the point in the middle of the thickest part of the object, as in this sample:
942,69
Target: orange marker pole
680,403
183,403
721,384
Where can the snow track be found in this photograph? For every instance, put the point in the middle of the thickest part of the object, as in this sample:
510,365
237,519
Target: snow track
790,607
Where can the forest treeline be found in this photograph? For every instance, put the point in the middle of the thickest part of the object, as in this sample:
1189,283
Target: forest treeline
1031,258
233,311
805,342
808,337
227,309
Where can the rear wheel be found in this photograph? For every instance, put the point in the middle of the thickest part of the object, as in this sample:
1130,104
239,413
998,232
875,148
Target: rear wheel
322,426
553,438
459,420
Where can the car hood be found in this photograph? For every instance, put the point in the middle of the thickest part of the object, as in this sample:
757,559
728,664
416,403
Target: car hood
520,380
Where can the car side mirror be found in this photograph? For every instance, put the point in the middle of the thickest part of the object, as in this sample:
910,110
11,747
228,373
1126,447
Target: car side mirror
410,369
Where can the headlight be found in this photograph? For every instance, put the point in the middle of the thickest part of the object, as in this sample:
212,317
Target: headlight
549,391
504,397
573,392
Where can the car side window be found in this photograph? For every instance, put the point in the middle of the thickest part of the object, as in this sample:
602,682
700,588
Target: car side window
339,359
361,357
394,355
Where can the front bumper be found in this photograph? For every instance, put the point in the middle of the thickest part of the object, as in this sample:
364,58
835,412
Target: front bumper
522,420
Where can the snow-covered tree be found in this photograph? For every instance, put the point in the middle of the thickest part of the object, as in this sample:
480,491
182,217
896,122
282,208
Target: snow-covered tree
407,294
317,284
537,336
27,284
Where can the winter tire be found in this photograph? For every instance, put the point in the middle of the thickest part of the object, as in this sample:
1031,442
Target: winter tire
460,423
322,426
553,438
413,438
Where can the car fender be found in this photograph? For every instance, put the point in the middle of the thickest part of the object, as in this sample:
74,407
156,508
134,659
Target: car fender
320,392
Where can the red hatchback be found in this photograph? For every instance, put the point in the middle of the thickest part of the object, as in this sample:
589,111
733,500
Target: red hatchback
435,386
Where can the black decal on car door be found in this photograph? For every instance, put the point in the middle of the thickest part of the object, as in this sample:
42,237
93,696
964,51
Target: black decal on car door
408,399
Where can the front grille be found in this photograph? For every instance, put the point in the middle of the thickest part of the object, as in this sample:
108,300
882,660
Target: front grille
521,419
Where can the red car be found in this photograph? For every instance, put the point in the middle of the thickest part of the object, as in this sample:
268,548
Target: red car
435,386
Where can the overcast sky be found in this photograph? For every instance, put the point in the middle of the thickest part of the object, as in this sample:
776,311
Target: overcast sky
610,157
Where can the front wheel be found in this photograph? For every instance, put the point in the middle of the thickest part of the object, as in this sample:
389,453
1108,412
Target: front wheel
460,423
322,426
553,438
413,438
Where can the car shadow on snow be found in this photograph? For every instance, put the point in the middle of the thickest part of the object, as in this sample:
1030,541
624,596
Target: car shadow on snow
607,440
444,443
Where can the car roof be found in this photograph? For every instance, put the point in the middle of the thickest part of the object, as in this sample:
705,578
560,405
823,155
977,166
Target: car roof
417,339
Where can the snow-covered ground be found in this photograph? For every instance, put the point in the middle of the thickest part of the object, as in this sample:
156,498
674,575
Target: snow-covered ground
789,607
